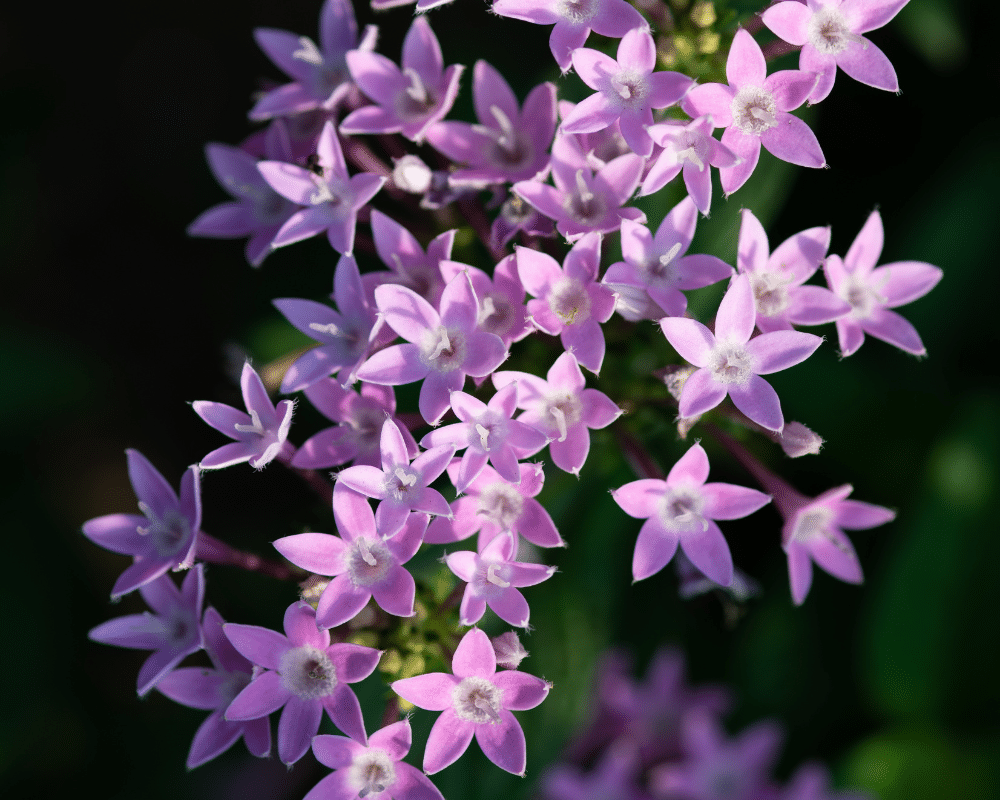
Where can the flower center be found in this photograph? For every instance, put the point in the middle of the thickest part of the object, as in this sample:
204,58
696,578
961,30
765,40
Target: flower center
510,149
416,100
170,534
307,672
754,110
367,424
488,433
569,301
496,314
862,298
371,772
812,524
402,483
680,510
232,685
562,412
582,205
662,271
327,191
577,11
692,148
501,503
770,292
629,88
444,350
829,33
477,700
731,363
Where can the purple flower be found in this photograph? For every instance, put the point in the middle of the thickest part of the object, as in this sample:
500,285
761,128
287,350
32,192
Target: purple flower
261,431
776,278
173,631
375,772
562,409
320,73
574,20
872,291
627,90
517,215
332,197
410,100
493,579
440,349
682,510
501,299
658,264
345,336
570,302
753,109
509,144
365,564
731,363
475,701
213,690
164,537
829,32
304,673
812,782
614,776
410,265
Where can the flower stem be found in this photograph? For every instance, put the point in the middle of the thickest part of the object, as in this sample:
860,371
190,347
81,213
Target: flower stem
215,551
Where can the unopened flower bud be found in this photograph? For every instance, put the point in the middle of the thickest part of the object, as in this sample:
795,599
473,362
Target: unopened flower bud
797,440
509,650
311,589
411,174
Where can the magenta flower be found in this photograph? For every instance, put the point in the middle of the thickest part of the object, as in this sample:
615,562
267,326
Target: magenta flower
658,264
627,90
440,349
487,433
829,32
570,302
475,701
562,409
365,564
682,510
574,20
731,363
776,278
492,578
753,109
213,690
410,100
165,536
303,673
320,73
510,143
332,197
401,486
410,265
493,505
872,291
261,432
173,631
375,772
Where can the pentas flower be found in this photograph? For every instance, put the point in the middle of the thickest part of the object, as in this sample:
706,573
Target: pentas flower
592,150
487,433
365,564
627,90
409,100
517,215
173,631
332,197
258,211
753,109
570,302
510,143
829,32
776,278
658,264
731,363
411,266
574,20
213,690
562,409
475,701
261,432
303,673
493,579
492,505
440,349
375,772
163,537
689,148
871,291
501,298
320,73
358,433
400,485
614,775
682,510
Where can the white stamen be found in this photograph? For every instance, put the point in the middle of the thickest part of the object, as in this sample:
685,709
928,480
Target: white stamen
667,258
256,427
308,51
582,189
492,577
329,328
484,436
764,116
444,343
486,707
690,154
405,478
416,89
366,553
560,422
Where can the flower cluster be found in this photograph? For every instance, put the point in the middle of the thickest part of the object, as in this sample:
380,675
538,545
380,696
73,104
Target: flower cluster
420,480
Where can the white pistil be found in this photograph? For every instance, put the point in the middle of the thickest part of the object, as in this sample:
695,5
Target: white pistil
690,154
323,193
405,478
255,427
444,343
329,328
148,513
582,189
624,92
668,258
366,553
492,577
416,90
484,436
486,707
763,115
560,418
308,52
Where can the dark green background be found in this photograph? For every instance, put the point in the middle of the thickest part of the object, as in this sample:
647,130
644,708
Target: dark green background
113,318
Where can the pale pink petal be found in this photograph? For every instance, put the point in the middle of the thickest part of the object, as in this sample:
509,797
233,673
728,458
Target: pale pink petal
758,400
640,498
799,572
701,393
448,739
892,328
320,553
904,281
773,352
709,552
745,65
691,468
474,656
793,141
867,246
692,340
788,20
503,743
728,501
737,313
431,691
653,549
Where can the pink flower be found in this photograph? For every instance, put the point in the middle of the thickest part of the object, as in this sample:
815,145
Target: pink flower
475,701
829,32
731,363
872,291
411,266
682,510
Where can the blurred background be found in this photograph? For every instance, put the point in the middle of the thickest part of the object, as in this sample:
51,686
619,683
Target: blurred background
114,319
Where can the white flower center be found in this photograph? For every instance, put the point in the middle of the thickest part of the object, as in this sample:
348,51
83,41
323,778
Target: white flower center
477,700
371,772
511,148
754,110
577,11
368,561
569,301
562,412
828,32
415,101
662,270
501,503
307,672
444,350
692,147
496,314
629,88
862,297
770,292
169,534
731,363
680,510
402,483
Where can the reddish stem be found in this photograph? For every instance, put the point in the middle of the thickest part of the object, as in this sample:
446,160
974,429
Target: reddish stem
215,551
